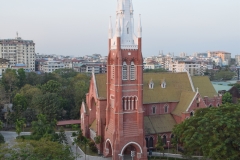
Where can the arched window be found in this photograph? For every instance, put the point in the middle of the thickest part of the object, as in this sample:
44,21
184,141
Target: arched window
166,108
124,71
150,142
164,139
127,30
191,114
132,71
153,109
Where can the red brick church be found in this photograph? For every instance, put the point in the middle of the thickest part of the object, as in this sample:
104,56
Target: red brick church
127,108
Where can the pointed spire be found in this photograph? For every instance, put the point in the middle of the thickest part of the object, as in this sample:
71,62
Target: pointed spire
110,31
139,27
118,28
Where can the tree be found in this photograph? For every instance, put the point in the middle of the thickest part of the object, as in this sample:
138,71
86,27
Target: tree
21,77
159,145
19,126
9,80
224,75
227,98
62,138
19,105
43,128
36,150
49,105
51,87
212,132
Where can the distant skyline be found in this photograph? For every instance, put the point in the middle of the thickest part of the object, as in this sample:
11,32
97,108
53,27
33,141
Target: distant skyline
80,28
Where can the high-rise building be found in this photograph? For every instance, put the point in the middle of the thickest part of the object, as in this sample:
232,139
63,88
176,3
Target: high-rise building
225,56
18,51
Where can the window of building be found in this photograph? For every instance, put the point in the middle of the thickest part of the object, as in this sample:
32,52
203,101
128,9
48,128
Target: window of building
132,71
151,142
166,108
154,110
191,114
147,142
164,139
124,71
127,30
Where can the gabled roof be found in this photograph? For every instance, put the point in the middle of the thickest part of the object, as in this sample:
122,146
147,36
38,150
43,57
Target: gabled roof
94,126
159,123
185,100
205,86
176,83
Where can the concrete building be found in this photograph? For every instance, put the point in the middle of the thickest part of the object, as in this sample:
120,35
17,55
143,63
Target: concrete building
225,56
18,51
51,66
237,60
4,64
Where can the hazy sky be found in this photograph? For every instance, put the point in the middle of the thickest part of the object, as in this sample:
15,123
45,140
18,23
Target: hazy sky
80,27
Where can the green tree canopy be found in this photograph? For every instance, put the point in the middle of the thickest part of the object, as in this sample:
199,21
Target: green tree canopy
21,77
36,150
49,105
224,75
43,128
211,132
51,87
227,98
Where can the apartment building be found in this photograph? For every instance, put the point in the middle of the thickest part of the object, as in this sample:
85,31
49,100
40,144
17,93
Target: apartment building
4,64
18,51
51,66
225,56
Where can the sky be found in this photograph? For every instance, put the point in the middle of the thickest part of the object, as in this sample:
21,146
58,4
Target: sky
80,27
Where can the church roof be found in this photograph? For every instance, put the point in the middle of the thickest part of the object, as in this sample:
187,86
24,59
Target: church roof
185,100
159,123
205,86
176,83
94,126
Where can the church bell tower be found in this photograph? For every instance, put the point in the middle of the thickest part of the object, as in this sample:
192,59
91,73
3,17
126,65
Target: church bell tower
124,131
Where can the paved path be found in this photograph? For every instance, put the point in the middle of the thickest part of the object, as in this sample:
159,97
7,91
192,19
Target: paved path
79,151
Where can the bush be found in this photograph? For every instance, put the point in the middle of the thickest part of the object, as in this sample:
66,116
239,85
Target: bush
74,134
2,138
92,146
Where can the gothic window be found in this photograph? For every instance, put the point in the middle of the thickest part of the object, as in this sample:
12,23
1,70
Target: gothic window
124,71
127,30
191,114
150,142
164,139
153,109
132,71
166,109
113,72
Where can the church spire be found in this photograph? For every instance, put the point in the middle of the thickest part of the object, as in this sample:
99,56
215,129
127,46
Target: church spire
110,31
118,28
139,27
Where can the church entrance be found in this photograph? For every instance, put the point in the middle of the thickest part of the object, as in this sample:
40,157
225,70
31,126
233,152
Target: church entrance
130,149
108,149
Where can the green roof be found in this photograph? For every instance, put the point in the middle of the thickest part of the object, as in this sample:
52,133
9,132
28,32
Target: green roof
159,123
205,86
94,126
185,100
176,83
101,83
